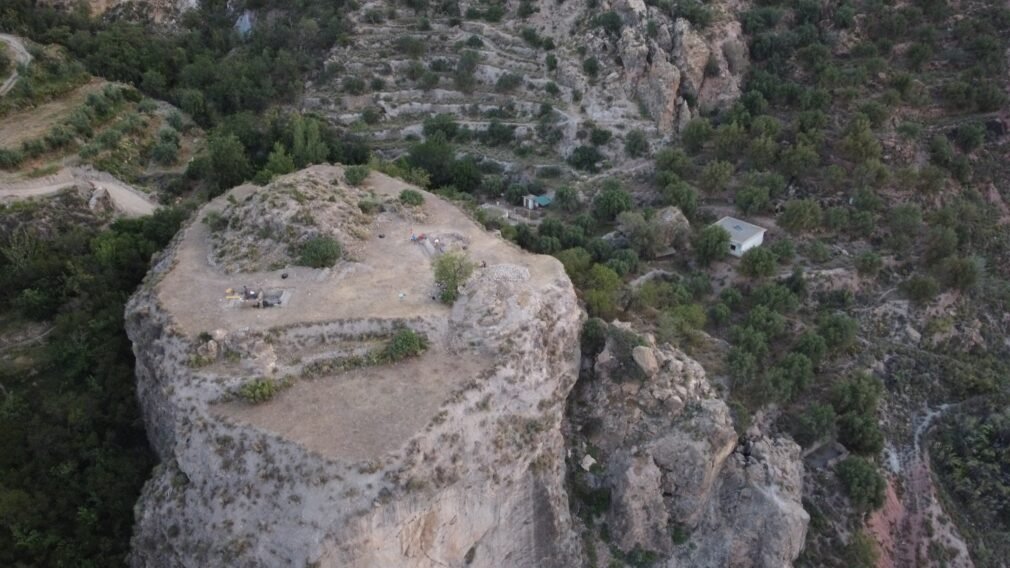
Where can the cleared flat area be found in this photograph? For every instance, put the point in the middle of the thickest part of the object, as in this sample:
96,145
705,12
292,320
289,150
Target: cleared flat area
367,412
34,123
193,291
364,413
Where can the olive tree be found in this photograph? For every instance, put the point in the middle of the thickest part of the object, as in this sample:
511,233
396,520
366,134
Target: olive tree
452,269
711,244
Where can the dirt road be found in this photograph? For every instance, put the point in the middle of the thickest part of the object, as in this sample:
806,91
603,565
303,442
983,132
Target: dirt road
127,200
21,57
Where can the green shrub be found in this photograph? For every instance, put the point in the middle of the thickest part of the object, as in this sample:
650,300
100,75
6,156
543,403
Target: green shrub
815,423
812,345
920,289
758,263
859,432
261,390
784,250
412,46
635,144
508,82
165,153
838,331
610,202
599,136
861,551
800,215
369,206
593,337
790,376
10,159
405,343
411,197
355,175
680,322
869,263
444,123
715,175
585,158
862,483
696,134
694,11
610,22
961,272
319,252
970,136
711,244
591,66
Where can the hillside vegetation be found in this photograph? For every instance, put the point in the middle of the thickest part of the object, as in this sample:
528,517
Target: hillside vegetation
868,137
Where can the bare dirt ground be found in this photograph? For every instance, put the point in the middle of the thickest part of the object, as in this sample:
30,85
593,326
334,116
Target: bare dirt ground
21,57
364,413
129,201
34,123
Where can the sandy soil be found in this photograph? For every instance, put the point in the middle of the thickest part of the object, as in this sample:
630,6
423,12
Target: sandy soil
364,413
34,123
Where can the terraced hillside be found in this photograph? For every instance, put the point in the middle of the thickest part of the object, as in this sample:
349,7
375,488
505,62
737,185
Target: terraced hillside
534,84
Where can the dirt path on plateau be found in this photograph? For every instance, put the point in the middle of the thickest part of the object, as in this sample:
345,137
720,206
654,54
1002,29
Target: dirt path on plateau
127,200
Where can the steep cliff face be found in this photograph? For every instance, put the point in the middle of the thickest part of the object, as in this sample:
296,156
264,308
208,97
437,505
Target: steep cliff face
453,457
682,486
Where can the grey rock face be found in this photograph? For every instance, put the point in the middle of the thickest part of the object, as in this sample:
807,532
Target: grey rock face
682,483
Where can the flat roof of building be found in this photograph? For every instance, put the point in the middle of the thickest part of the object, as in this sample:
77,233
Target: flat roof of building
739,230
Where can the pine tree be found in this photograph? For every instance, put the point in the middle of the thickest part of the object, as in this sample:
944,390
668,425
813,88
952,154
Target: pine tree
279,162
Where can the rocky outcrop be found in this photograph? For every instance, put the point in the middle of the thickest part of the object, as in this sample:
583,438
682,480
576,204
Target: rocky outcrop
450,458
682,484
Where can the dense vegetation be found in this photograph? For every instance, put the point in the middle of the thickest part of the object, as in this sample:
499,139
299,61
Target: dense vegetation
971,451
226,81
74,454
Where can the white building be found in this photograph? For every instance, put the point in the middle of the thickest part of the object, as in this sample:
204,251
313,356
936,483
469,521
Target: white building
743,236
537,201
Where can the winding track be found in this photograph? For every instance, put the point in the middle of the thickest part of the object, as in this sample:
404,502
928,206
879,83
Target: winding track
128,200
21,57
